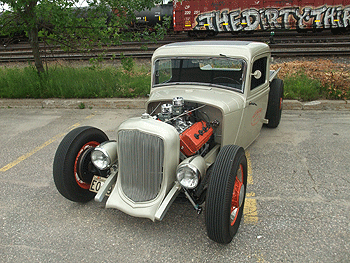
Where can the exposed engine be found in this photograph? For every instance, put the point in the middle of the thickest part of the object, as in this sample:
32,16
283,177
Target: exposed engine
195,133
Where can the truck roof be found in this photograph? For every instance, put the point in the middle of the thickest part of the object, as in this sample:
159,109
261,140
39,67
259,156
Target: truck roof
245,49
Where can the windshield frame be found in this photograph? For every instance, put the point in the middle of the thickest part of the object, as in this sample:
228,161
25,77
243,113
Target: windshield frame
243,62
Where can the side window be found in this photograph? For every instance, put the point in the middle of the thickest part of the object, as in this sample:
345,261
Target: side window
162,71
259,64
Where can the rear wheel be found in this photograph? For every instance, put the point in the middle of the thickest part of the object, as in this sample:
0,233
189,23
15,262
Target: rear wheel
274,107
226,194
72,167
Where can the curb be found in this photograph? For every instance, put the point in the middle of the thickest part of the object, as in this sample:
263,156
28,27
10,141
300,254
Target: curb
139,103
74,103
316,105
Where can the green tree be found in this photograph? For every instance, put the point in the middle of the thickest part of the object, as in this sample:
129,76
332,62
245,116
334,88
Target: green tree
73,24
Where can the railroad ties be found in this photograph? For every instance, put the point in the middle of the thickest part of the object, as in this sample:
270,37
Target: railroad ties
283,44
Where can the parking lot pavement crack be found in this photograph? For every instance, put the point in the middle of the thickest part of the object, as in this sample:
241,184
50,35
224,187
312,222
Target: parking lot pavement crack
308,171
313,180
345,179
303,161
293,182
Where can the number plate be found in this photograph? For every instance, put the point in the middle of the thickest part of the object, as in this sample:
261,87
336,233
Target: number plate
97,183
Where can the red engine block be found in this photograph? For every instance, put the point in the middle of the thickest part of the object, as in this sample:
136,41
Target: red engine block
192,139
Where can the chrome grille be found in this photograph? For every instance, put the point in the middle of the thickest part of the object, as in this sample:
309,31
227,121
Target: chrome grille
141,157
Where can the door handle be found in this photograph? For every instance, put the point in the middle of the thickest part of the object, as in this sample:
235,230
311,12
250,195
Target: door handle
252,103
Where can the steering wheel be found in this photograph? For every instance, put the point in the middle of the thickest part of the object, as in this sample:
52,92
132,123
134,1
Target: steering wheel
226,78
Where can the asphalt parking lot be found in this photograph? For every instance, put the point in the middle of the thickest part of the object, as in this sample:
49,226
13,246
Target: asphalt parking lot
297,210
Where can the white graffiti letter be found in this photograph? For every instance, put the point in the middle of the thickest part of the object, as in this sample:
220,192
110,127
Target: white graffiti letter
235,20
304,18
272,16
287,14
346,17
263,22
329,18
221,21
317,14
252,19
339,16
204,21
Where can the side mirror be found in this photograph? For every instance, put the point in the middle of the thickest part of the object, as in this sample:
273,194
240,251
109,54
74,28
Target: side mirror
257,74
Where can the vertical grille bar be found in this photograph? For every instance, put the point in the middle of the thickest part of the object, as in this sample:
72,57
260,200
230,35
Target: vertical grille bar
141,157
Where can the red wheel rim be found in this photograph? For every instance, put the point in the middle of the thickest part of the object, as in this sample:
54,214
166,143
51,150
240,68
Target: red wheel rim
80,182
281,103
237,195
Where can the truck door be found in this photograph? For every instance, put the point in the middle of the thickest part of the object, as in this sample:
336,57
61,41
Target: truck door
256,103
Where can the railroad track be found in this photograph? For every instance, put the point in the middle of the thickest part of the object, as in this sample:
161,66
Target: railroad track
283,46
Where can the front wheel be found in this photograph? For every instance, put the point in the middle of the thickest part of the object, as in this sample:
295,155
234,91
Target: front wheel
72,167
226,194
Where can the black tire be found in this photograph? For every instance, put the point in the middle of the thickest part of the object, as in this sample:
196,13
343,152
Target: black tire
72,167
226,194
274,107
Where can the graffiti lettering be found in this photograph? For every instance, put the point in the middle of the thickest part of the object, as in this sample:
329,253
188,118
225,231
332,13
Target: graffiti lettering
235,21
251,18
346,17
273,18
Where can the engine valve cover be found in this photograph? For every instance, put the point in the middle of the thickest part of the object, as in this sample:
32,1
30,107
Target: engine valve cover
192,139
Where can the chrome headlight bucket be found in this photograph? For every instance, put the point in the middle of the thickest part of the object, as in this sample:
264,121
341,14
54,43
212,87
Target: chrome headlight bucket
190,171
105,155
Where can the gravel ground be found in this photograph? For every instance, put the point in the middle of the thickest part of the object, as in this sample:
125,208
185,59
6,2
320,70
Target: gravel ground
337,60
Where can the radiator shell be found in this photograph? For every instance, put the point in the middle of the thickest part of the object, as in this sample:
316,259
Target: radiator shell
140,189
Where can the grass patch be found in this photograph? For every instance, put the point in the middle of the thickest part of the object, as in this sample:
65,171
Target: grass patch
299,86
70,82
303,80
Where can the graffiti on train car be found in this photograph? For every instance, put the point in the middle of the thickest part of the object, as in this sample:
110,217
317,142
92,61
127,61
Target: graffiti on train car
274,18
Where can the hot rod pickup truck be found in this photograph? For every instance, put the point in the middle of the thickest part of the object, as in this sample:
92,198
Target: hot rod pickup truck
208,102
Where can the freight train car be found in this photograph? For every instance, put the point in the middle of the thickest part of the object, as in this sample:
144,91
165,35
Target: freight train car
209,17
149,18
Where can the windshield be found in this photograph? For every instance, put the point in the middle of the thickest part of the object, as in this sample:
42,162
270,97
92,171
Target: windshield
224,72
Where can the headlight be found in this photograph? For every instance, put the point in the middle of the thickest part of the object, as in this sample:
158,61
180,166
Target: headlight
104,155
190,171
188,176
100,159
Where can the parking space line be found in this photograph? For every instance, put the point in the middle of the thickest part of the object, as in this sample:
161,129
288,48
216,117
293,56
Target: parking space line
250,208
249,164
27,155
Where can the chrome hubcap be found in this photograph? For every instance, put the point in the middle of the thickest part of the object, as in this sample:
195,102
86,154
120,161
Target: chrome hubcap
241,195
233,214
